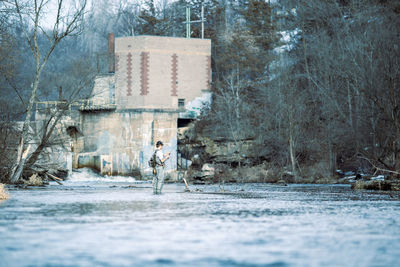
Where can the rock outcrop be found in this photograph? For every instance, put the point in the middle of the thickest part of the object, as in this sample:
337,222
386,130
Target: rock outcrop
215,159
219,160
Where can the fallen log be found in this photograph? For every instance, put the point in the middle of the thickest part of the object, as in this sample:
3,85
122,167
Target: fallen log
54,178
186,185
372,185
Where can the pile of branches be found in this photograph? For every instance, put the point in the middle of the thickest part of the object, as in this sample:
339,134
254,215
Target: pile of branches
41,175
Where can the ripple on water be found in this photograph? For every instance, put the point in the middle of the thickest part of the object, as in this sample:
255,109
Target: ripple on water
92,224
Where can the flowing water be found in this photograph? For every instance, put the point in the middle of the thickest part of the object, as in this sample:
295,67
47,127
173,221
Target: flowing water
96,221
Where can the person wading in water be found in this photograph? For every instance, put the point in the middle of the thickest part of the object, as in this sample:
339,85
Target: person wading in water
158,179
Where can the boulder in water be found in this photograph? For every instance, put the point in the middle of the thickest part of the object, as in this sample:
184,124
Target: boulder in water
208,170
372,185
3,193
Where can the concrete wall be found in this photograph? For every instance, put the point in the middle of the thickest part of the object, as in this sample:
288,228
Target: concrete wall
128,138
103,90
154,72
60,152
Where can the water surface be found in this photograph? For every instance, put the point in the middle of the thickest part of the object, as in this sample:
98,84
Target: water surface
93,221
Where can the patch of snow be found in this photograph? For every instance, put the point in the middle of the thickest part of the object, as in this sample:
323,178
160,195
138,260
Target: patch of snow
289,38
378,178
198,103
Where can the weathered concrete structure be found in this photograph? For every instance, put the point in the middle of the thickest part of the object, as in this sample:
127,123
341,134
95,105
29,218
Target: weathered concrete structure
152,83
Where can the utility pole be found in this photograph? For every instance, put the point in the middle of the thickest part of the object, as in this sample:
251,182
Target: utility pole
188,22
202,22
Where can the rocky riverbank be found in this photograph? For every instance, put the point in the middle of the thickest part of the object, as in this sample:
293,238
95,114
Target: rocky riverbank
218,160
210,173
41,176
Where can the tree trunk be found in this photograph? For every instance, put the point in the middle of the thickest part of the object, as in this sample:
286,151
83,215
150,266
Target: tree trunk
47,132
66,24
332,158
292,152
20,167
20,160
35,155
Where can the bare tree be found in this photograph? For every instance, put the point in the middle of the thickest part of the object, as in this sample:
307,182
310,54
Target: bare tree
66,24
128,19
54,114
350,58
232,112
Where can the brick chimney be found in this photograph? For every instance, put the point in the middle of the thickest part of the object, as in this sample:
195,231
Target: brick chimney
111,53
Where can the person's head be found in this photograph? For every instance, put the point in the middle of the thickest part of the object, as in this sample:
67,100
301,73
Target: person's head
159,144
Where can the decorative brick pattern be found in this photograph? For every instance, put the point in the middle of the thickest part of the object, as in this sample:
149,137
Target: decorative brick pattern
129,74
208,72
174,75
116,61
144,73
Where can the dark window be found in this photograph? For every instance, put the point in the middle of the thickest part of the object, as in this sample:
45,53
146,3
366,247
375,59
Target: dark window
181,103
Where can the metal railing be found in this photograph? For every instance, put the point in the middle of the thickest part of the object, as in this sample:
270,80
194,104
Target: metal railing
82,105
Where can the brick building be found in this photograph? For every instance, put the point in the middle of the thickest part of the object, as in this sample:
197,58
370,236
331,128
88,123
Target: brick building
153,83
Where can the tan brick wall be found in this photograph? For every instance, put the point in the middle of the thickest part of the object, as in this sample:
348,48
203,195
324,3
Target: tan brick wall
191,77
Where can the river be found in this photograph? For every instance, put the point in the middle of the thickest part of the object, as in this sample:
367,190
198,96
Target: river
96,221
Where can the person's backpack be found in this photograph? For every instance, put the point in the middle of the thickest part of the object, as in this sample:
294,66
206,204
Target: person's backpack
152,161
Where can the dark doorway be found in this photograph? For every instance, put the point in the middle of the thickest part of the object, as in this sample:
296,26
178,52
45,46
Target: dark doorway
184,122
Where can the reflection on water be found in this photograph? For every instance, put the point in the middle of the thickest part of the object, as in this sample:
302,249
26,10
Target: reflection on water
94,222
